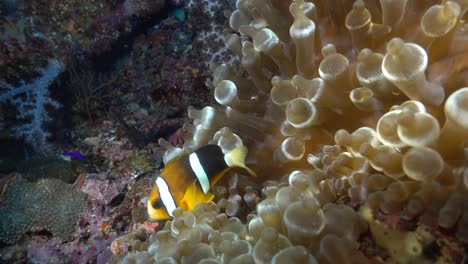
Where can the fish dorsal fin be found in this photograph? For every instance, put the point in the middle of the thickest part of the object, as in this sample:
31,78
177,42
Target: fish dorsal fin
236,158
193,195
173,160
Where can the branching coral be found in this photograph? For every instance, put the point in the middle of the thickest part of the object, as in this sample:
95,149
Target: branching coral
31,100
390,141
91,91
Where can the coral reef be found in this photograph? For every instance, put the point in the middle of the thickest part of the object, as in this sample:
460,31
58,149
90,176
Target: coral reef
114,152
34,32
114,204
100,223
164,65
125,109
27,206
348,126
51,167
353,112
92,91
149,97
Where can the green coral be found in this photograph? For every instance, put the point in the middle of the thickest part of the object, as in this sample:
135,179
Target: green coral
47,204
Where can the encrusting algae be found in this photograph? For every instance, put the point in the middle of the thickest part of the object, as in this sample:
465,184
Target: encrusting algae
347,111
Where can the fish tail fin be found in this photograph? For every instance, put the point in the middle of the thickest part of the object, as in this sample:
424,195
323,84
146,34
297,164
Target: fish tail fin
236,158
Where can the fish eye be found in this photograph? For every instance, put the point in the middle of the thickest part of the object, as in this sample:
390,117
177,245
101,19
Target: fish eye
157,204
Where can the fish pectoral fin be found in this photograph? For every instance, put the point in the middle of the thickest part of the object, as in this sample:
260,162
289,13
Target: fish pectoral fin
208,197
193,195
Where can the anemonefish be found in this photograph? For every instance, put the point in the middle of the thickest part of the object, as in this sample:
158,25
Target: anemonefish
186,180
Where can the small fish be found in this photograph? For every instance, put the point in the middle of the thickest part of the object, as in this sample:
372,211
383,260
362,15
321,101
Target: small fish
186,180
80,180
71,154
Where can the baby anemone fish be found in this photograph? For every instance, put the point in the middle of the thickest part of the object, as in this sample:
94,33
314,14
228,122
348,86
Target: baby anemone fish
186,180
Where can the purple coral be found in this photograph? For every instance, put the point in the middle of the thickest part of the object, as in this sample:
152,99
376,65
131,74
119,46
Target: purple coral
30,100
